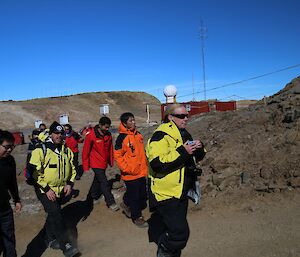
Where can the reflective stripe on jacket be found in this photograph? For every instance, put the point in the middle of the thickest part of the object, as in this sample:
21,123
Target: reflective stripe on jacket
130,154
166,155
53,170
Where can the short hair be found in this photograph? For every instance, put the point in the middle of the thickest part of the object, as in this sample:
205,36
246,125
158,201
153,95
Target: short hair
42,124
170,110
68,126
125,116
105,120
6,136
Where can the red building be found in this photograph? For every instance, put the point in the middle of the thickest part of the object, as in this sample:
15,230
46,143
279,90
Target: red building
203,107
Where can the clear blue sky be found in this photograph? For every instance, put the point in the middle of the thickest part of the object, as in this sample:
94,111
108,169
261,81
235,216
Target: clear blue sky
62,47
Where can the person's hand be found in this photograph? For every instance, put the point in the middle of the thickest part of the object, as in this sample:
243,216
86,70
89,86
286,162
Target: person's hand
51,195
198,144
18,207
190,148
67,190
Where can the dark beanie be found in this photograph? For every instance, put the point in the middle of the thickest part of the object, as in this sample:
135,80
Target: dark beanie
56,127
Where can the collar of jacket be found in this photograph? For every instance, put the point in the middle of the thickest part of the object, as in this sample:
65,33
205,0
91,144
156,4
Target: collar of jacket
69,134
49,144
97,133
172,130
124,130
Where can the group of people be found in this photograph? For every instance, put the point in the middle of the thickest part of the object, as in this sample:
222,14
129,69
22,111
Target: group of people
167,168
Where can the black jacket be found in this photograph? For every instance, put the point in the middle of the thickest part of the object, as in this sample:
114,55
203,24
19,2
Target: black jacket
8,182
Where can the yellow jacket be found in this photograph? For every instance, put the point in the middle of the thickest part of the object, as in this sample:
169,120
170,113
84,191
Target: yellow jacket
53,169
166,155
43,135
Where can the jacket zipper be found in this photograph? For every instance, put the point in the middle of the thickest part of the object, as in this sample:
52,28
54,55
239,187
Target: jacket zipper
64,171
59,156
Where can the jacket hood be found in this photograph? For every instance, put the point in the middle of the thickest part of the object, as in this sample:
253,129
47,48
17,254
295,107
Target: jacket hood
124,130
171,129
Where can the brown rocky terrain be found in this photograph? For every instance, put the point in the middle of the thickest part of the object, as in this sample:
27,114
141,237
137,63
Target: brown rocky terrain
250,186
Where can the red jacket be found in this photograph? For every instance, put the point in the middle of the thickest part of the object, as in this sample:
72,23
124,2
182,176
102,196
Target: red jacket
72,141
97,150
130,154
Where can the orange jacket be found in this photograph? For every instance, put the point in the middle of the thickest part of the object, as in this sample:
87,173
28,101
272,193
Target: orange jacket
130,154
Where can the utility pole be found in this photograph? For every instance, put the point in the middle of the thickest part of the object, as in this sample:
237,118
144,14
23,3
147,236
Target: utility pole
203,31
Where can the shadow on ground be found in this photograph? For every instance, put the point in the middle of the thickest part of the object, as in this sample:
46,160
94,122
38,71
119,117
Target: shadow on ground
73,213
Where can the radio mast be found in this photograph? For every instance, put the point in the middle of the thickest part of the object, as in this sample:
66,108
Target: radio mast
203,32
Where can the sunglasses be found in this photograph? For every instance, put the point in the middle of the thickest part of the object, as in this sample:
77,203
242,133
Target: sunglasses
180,116
7,147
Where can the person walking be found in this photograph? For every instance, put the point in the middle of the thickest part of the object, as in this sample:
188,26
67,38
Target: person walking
97,154
131,159
8,186
172,155
54,173
71,140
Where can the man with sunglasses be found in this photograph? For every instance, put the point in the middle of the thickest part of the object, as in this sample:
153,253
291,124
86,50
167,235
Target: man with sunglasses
54,174
8,186
172,155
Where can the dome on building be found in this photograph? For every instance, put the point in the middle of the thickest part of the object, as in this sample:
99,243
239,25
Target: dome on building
170,91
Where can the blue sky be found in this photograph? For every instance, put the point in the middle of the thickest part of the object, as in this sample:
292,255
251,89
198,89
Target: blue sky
62,47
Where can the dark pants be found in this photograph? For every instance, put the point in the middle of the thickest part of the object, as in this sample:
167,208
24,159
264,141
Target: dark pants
135,196
168,226
55,225
100,186
7,234
75,162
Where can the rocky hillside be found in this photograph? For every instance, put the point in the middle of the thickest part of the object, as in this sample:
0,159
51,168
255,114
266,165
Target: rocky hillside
81,108
255,149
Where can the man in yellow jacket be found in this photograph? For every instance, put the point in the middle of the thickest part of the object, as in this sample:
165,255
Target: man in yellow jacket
172,155
53,172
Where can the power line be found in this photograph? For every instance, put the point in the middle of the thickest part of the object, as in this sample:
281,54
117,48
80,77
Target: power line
245,80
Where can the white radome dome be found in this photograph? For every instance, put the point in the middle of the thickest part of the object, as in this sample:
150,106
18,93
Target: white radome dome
170,91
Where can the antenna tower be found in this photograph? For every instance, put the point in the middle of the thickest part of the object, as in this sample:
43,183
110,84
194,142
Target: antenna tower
203,31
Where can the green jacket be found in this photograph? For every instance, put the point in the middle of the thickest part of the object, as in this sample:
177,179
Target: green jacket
53,169
166,155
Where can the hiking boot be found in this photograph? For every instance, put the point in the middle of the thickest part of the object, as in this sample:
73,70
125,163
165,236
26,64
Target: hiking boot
70,251
164,252
54,244
114,207
97,201
126,210
140,222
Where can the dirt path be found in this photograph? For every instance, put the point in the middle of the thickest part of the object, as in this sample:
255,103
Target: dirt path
264,226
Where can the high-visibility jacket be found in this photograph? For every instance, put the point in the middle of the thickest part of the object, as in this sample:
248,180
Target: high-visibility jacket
167,162
53,169
43,135
130,154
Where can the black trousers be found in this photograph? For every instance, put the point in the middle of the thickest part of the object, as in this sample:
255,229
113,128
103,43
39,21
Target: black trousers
135,196
7,234
168,226
100,186
75,162
55,225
